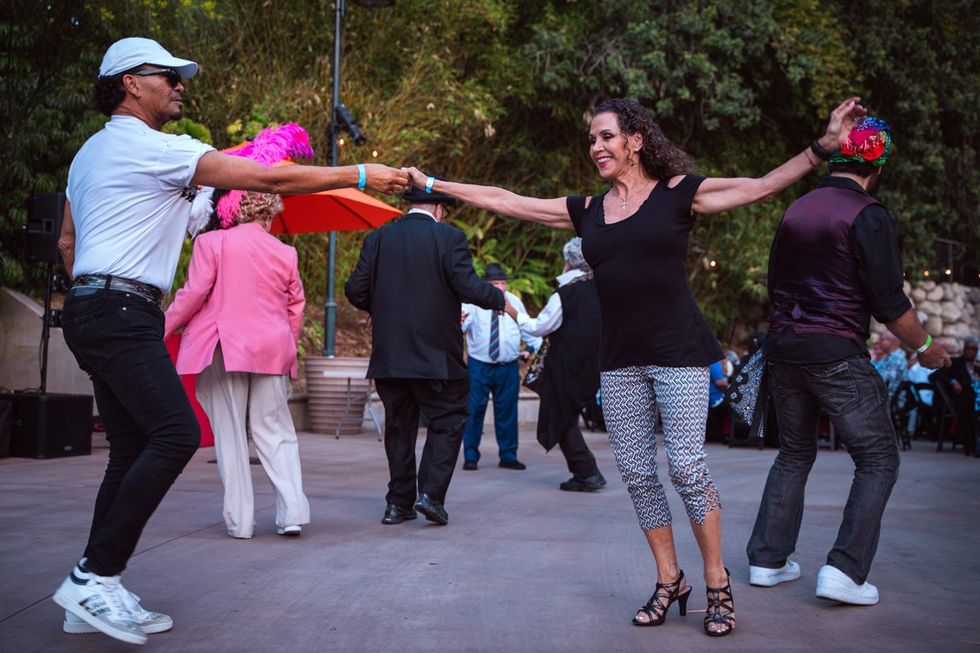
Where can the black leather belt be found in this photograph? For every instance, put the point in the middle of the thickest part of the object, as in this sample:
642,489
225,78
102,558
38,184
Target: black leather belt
108,282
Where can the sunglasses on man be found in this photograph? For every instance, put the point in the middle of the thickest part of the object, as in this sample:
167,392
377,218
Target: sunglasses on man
173,77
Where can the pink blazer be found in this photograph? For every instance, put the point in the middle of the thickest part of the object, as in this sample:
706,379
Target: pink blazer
243,289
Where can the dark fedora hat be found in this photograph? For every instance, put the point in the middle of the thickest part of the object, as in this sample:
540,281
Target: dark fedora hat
416,195
495,272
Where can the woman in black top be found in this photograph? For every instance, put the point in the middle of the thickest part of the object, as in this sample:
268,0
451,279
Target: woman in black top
655,344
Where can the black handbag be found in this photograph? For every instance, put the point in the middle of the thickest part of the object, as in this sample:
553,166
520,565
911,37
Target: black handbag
532,379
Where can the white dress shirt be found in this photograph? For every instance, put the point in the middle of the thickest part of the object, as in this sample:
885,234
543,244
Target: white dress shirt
550,317
476,326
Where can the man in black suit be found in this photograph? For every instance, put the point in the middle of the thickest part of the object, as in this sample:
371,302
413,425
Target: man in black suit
411,277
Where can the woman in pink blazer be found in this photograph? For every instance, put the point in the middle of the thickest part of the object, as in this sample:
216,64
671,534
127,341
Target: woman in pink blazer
241,310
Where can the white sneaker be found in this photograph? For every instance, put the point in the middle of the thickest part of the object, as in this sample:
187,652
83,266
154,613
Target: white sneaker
290,531
765,577
101,602
834,585
149,622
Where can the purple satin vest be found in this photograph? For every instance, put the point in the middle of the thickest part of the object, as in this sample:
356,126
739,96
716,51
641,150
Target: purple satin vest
815,285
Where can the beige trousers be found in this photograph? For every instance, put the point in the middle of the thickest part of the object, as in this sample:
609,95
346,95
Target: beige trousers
228,398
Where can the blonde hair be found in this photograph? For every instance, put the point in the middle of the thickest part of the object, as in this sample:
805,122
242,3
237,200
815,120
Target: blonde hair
259,207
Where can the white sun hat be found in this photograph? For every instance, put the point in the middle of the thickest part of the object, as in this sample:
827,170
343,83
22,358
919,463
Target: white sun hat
126,54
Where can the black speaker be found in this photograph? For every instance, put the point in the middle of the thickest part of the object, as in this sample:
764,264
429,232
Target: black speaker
45,212
50,425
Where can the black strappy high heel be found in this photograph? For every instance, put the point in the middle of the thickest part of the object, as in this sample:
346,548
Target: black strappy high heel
658,605
721,609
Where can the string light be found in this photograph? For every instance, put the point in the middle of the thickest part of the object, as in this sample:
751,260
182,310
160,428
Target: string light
713,263
925,273
340,141
374,153
948,272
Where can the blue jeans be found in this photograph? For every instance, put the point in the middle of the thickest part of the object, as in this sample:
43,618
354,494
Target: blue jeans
503,380
855,398
117,339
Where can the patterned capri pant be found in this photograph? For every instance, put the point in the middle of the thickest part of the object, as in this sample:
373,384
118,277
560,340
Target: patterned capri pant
631,398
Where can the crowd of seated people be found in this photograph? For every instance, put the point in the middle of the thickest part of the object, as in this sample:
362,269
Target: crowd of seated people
941,404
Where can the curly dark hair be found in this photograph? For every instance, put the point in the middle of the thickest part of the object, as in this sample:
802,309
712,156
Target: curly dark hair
864,170
108,93
660,158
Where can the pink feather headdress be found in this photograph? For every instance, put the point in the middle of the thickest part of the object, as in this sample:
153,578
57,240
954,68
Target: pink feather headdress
271,145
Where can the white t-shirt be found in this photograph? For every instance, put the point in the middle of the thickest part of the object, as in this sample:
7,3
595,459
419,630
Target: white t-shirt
130,192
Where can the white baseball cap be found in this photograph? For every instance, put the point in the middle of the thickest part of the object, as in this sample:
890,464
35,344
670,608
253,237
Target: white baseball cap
126,54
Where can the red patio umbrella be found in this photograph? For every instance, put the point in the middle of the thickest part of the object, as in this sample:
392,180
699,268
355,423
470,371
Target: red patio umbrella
344,209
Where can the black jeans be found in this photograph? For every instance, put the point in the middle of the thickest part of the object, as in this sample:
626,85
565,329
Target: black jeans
852,393
117,338
444,404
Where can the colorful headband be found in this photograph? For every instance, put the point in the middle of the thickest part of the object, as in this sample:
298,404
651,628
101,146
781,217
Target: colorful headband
869,142
271,145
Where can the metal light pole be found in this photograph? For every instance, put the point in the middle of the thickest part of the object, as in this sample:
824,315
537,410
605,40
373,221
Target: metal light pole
330,309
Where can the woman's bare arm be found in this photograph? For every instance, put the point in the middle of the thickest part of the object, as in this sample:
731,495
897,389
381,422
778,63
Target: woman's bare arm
549,212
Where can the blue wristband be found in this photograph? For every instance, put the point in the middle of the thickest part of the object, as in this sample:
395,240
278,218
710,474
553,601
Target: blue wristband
428,184
361,176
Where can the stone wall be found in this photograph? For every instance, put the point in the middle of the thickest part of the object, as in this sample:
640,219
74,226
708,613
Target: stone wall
949,311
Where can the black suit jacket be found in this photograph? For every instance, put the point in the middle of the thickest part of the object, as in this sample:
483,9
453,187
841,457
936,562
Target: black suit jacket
411,277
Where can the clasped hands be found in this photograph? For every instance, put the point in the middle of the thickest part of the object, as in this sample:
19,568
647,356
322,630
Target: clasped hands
392,181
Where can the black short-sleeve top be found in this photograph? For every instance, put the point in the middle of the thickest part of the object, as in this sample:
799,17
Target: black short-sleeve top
649,316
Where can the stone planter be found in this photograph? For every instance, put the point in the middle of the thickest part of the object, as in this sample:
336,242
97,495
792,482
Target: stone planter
337,391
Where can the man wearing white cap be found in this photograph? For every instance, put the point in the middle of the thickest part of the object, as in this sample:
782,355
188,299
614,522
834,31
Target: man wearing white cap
129,194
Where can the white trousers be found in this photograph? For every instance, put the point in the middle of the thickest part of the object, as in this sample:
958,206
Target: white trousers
228,398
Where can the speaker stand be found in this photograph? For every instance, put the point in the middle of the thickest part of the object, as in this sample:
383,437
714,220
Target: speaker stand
46,327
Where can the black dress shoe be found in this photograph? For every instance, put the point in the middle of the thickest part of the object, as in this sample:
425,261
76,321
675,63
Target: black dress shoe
396,514
469,464
432,509
587,484
512,464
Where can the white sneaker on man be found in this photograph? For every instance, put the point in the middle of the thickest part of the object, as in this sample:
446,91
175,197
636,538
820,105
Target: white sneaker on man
149,622
101,602
834,585
290,531
766,577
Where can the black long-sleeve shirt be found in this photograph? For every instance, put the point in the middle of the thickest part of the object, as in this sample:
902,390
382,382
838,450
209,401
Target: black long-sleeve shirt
875,244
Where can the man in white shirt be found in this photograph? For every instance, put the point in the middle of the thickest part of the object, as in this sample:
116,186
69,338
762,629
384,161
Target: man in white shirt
129,194
493,344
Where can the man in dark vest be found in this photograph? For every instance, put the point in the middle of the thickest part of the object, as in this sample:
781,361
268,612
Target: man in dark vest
834,263
569,379
411,277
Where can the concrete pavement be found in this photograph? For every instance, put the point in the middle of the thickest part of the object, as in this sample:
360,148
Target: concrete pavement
520,567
